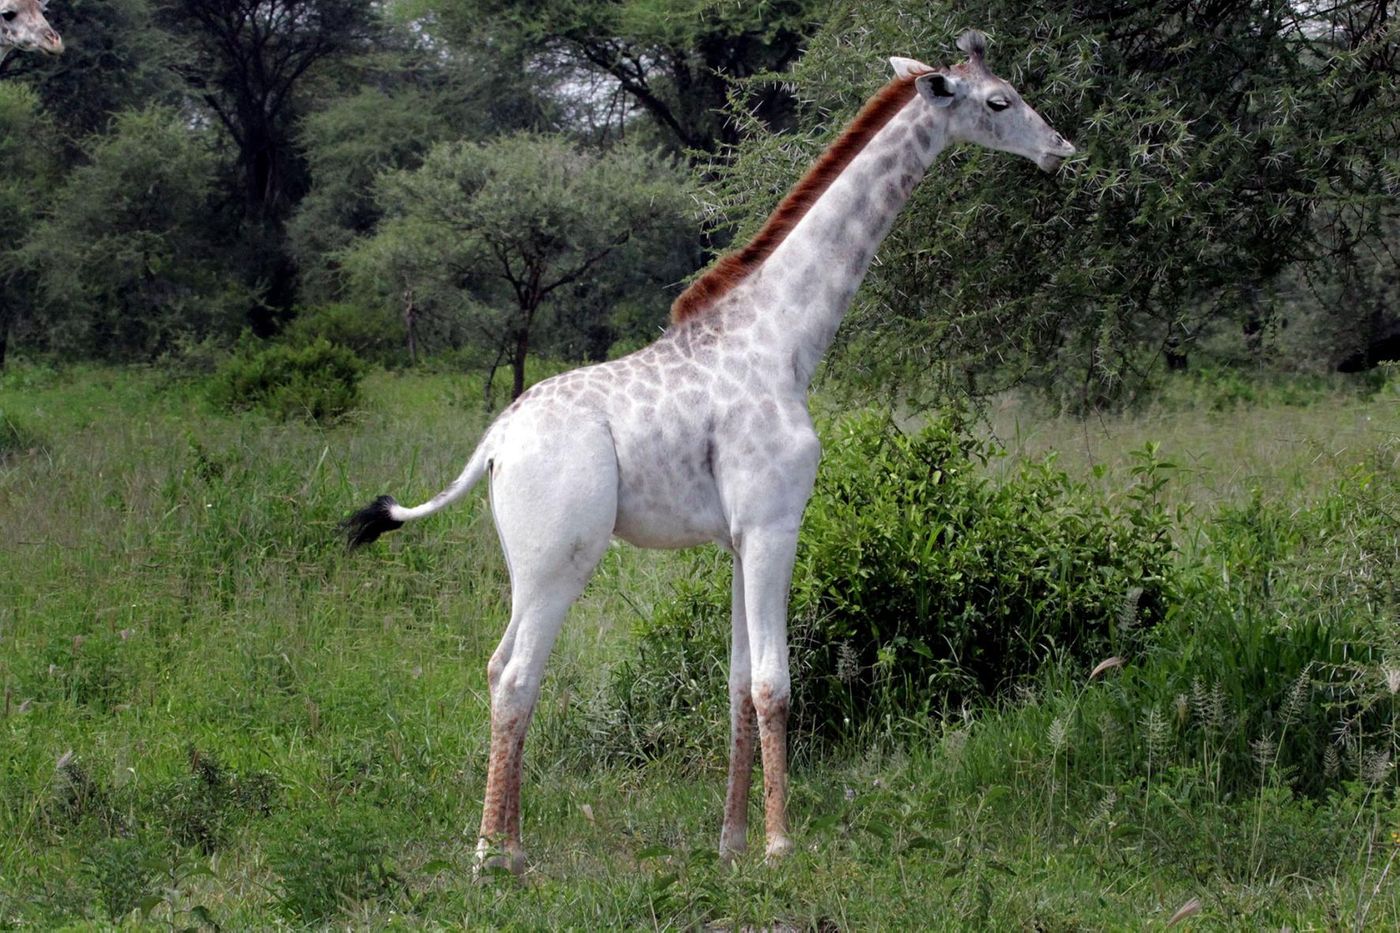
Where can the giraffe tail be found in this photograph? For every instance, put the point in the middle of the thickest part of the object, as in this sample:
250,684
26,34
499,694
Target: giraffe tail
384,514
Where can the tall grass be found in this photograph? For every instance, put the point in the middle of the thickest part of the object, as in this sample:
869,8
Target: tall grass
212,715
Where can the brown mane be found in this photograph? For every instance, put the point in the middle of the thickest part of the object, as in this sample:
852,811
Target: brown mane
732,268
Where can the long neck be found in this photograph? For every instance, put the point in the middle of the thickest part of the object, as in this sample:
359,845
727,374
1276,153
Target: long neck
803,289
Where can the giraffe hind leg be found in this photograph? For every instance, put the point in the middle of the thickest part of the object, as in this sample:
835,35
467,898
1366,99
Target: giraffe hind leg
555,514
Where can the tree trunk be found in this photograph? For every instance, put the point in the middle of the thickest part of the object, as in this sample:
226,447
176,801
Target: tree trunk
6,315
491,376
517,362
410,318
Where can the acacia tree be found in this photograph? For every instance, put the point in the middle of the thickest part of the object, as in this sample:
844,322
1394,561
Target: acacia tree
421,95
125,262
675,62
248,60
504,231
1221,142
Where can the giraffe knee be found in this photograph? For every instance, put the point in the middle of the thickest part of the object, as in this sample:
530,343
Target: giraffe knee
771,693
514,689
740,687
494,668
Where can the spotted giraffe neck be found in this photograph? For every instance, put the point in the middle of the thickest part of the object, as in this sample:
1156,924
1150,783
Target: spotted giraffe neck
801,291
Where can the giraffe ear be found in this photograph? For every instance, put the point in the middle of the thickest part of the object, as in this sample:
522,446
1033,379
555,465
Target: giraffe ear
908,67
941,90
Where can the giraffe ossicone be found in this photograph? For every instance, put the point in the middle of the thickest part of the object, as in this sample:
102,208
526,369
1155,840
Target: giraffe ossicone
23,26
704,436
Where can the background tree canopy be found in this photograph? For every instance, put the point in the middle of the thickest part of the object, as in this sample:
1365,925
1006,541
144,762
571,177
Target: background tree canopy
191,168
1228,149
514,228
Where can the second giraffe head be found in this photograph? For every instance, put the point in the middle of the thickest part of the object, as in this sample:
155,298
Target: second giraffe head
981,108
23,26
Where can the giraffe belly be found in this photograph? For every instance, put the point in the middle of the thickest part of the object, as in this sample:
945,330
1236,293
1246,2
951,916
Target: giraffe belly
668,511
652,524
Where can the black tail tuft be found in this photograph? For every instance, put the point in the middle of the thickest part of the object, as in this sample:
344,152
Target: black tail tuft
366,525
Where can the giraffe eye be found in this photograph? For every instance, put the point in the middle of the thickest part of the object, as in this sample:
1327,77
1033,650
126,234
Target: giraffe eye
998,103
8,15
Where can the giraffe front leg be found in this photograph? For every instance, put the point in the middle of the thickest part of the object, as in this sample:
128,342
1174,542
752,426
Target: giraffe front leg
733,837
771,704
768,559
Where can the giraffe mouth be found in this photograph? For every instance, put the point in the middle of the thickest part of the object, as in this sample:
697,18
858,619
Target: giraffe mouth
1050,161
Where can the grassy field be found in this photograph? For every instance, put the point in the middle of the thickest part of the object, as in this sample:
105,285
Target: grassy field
215,717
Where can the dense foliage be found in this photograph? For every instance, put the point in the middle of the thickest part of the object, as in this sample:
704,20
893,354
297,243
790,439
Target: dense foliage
919,584
319,381
1222,144
1233,204
125,263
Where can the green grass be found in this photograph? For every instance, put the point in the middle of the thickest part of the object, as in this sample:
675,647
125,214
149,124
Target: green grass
1292,446
213,715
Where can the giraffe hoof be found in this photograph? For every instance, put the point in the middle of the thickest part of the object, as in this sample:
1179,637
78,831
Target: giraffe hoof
778,848
492,862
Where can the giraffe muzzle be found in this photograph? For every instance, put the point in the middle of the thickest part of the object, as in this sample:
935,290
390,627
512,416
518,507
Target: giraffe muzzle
1052,160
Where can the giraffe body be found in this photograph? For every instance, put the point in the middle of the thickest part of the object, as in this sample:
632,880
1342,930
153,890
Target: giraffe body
704,436
23,26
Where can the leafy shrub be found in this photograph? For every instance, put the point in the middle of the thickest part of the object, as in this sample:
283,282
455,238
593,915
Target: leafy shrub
918,581
373,334
16,439
125,873
320,381
203,808
336,857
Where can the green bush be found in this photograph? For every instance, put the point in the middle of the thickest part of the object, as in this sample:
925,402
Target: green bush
328,859
319,381
373,334
203,808
125,873
16,439
919,583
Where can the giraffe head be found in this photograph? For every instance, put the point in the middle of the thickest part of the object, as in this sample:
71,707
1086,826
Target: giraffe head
981,108
22,25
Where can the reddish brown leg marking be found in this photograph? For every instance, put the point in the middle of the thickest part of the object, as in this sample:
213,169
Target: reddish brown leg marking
513,834
500,815
733,837
772,735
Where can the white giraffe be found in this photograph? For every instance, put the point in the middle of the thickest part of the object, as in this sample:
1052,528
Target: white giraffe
23,27
705,436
